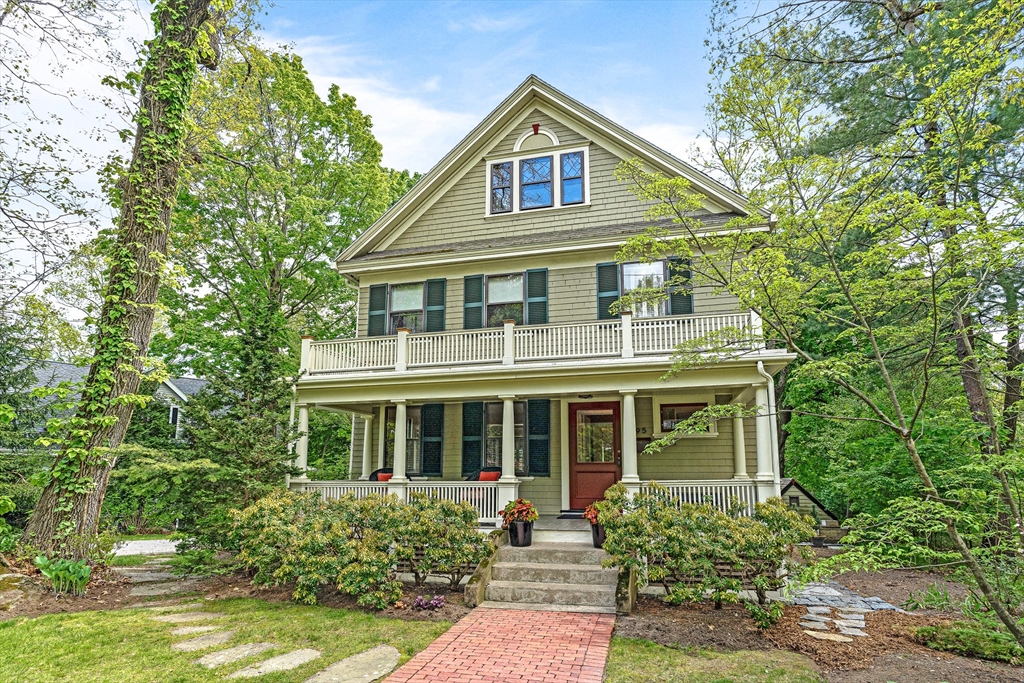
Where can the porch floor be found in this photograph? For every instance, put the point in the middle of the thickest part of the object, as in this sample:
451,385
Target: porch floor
553,523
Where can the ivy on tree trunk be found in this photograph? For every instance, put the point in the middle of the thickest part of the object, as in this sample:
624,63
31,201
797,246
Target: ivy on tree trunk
69,507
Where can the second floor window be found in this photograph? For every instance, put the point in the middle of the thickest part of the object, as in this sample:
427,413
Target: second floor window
407,307
504,299
644,276
535,176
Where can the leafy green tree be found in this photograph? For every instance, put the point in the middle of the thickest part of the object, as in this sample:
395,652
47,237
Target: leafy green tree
883,238
286,181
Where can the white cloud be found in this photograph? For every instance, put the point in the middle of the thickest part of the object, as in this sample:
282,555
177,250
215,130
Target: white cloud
483,24
414,132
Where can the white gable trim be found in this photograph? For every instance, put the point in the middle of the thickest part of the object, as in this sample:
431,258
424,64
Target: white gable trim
527,97
177,392
541,130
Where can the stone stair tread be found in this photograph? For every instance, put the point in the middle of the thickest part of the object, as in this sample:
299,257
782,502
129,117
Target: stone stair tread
548,607
556,565
583,588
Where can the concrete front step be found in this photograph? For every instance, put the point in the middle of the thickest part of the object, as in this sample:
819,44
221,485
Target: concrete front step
535,572
553,553
551,593
547,607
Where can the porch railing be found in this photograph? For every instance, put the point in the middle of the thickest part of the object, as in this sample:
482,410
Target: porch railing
720,493
513,344
332,490
482,495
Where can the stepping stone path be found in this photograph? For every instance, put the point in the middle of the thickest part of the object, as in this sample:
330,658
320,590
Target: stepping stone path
203,642
233,654
821,598
187,617
192,630
152,578
366,666
283,662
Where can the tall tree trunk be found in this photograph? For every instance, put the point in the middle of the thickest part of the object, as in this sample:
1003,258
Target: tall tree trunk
70,504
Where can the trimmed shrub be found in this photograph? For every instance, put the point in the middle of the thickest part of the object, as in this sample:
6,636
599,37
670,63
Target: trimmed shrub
698,551
356,545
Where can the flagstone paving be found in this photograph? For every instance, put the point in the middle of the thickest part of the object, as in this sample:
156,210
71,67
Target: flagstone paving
203,642
366,666
283,662
233,654
188,616
495,645
192,630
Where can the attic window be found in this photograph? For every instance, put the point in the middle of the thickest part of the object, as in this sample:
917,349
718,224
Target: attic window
530,182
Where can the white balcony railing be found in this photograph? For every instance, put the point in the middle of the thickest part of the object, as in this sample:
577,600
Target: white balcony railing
721,493
513,344
482,495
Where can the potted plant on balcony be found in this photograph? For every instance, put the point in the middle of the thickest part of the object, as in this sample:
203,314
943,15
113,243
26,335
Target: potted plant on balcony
596,528
519,516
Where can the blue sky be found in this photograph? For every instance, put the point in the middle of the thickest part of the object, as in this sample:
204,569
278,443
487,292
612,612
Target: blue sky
427,72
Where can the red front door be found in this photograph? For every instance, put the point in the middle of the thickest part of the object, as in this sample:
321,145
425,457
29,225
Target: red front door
595,451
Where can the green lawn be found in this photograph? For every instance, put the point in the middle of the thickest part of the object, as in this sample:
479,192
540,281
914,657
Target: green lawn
641,661
127,645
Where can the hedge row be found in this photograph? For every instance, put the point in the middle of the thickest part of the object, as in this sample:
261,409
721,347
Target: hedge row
357,546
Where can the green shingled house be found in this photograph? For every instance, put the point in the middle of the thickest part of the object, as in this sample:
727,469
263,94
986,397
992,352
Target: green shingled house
486,364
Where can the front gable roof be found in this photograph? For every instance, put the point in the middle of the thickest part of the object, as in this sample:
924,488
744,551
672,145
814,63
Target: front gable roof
534,94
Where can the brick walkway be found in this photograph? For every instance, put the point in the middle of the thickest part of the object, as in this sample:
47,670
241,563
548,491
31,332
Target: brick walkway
497,645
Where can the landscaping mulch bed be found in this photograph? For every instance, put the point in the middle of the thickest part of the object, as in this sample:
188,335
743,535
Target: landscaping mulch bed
928,666
697,626
107,590
895,585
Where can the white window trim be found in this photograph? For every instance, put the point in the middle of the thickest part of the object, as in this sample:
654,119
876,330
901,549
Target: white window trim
422,309
556,180
487,294
671,399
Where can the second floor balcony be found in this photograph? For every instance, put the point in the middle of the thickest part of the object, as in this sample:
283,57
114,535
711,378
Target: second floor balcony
626,337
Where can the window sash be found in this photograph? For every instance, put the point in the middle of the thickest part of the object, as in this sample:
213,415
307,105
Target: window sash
505,299
645,276
535,176
501,187
672,414
493,434
406,306
572,179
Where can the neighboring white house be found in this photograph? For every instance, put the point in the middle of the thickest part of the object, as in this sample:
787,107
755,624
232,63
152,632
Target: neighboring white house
484,340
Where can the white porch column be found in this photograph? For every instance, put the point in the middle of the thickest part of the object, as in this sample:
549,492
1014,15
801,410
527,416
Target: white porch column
508,485
398,481
765,477
630,476
302,445
367,446
739,449
402,350
508,356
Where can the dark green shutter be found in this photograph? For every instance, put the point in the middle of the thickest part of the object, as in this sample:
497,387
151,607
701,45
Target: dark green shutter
473,302
680,297
435,305
472,437
431,435
377,322
537,297
538,425
607,289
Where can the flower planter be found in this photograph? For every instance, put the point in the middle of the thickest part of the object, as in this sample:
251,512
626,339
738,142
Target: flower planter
520,534
384,477
597,531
